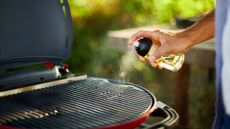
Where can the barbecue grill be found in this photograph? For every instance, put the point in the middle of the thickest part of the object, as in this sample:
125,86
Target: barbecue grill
53,97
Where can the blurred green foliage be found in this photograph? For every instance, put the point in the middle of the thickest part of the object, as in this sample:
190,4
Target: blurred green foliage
93,18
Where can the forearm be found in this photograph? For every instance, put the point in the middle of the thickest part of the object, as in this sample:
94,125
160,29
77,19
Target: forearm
200,31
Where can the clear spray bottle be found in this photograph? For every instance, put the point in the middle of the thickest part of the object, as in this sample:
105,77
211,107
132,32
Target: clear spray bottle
173,62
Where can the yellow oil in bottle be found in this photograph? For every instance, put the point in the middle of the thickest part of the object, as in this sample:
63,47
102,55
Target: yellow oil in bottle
172,62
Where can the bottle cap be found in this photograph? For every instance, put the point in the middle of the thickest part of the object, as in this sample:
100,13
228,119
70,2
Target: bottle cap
142,46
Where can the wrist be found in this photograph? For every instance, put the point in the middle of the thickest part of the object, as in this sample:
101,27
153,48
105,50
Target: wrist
186,39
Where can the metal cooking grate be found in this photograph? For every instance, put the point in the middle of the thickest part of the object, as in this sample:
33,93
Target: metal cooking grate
87,103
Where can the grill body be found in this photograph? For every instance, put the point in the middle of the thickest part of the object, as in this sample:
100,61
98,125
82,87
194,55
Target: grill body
90,103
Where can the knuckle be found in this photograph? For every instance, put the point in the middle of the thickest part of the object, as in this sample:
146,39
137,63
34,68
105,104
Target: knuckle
157,31
141,31
164,40
168,50
185,50
172,51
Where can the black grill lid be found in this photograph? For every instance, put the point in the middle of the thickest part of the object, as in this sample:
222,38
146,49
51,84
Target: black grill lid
34,31
89,103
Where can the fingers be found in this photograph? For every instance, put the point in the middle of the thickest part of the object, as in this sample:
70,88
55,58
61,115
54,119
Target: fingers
153,64
137,36
153,35
141,58
160,51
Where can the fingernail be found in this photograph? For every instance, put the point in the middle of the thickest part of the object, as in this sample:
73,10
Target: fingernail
129,42
152,58
136,43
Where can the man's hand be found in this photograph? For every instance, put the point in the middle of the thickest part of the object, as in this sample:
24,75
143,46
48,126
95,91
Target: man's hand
168,43
173,43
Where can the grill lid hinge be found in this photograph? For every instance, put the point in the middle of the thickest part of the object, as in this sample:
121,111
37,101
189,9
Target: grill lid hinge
61,69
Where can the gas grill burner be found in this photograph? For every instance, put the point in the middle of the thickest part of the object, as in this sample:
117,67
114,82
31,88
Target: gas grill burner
89,103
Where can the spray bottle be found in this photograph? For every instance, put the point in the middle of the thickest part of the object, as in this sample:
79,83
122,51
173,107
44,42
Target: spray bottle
173,62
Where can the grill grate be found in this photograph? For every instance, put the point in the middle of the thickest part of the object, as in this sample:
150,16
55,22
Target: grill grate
89,103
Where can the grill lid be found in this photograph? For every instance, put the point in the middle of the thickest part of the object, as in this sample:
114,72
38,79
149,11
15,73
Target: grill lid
34,31
90,103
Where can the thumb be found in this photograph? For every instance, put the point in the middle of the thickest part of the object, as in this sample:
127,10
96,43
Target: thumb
158,52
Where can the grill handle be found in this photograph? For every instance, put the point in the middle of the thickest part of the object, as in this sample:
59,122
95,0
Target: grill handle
170,117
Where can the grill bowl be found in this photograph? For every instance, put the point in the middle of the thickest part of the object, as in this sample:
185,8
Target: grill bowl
90,103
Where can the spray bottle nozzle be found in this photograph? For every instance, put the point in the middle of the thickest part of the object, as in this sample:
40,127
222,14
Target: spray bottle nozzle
142,46
136,43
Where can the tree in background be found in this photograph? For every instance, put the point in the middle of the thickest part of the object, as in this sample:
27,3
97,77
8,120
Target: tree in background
93,18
